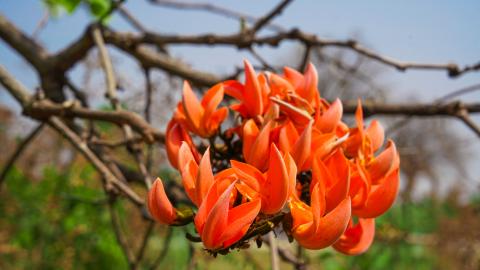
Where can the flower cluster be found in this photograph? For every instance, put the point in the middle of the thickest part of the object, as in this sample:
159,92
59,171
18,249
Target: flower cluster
286,162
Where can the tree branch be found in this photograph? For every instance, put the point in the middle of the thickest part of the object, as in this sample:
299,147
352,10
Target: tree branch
18,152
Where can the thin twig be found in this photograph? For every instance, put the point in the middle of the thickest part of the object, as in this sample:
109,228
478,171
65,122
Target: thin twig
229,13
117,229
18,151
144,244
131,19
463,115
41,24
273,251
163,253
269,16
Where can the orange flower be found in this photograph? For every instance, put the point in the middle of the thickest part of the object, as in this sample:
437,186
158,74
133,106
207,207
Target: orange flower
333,175
252,95
158,204
220,225
196,178
375,180
256,144
357,238
299,146
314,227
274,187
174,136
203,118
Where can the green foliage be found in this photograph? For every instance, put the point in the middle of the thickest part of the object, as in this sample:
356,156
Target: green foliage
56,223
97,8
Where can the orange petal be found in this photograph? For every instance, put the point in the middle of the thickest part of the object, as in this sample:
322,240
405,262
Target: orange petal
234,89
175,135
248,174
380,198
383,163
215,120
301,150
330,227
252,93
250,134
297,115
275,190
328,121
257,153
192,107
204,179
358,238
217,220
292,174
340,172
239,220
376,134
288,137
159,205
294,77
310,83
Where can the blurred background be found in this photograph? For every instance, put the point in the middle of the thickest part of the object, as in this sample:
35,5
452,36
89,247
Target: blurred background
54,213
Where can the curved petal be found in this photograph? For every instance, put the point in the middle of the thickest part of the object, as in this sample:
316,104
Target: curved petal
310,83
358,238
217,220
192,107
340,171
381,197
293,76
204,179
328,121
159,205
275,190
376,133
288,137
302,148
239,220
248,174
174,136
257,153
330,227
252,95
249,135
234,89
383,163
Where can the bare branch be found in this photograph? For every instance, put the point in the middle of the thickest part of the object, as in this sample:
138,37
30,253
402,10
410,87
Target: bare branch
43,109
427,109
269,16
18,151
229,13
273,251
23,44
117,229
111,180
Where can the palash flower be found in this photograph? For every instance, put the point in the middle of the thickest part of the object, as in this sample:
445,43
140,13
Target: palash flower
273,187
202,118
218,223
288,147
357,238
253,95
174,136
159,205
375,180
196,178
314,227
